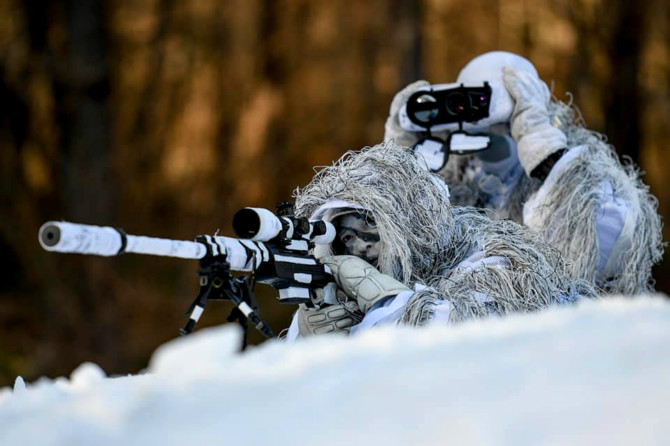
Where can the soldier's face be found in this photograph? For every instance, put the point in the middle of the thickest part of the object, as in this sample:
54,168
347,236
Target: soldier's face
359,237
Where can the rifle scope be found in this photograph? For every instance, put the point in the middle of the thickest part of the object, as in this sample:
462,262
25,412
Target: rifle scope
262,225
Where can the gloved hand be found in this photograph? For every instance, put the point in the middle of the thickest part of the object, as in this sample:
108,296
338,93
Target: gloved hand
362,281
536,138
338,318
392,129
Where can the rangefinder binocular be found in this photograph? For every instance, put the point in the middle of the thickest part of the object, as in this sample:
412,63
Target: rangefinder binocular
438,107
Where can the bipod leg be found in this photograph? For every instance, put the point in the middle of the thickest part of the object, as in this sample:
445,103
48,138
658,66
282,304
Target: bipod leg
198,305
237,315
242,296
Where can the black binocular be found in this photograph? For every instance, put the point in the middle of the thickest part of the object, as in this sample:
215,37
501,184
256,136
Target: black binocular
428,108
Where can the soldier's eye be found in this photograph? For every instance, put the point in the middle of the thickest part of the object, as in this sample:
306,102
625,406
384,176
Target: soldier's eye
346,238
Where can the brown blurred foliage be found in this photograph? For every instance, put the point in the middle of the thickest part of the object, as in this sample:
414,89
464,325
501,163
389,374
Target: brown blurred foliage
165,116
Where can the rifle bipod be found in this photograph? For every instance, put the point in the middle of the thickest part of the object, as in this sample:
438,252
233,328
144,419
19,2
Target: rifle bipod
216,283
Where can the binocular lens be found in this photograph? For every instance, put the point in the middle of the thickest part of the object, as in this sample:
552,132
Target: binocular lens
482,101
457,103
427,108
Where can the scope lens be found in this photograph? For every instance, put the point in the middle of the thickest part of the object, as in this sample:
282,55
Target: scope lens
426,108
246,223
457,103
319,228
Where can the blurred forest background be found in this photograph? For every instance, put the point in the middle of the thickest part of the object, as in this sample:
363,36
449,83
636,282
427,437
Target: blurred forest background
163,117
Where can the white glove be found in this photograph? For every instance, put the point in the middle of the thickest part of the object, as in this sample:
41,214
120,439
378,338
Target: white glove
362,281
536,138
392,128
337,318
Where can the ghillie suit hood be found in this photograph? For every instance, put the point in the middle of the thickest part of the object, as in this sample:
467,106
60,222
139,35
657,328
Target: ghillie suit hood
410,208
425,240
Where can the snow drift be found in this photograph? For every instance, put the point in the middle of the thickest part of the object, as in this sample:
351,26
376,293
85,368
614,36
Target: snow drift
595,374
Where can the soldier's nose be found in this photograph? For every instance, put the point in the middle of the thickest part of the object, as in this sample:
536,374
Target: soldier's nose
362,247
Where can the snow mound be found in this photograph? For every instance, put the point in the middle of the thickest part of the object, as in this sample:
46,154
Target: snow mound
598,373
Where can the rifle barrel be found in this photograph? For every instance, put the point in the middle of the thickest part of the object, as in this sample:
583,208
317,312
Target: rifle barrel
61,236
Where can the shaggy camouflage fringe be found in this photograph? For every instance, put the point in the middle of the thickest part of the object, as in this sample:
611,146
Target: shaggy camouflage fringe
568,214
535,276
567,217
424,239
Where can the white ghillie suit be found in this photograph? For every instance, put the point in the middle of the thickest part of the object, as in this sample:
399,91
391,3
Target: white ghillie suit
473,266
595,210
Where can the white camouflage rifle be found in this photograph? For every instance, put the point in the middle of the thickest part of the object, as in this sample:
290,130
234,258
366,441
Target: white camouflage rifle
274,249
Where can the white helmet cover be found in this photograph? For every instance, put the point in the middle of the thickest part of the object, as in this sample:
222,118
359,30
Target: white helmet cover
488,67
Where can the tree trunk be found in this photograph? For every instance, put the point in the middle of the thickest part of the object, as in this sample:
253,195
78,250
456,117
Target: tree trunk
622,101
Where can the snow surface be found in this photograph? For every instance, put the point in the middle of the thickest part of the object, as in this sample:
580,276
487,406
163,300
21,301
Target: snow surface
595,374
